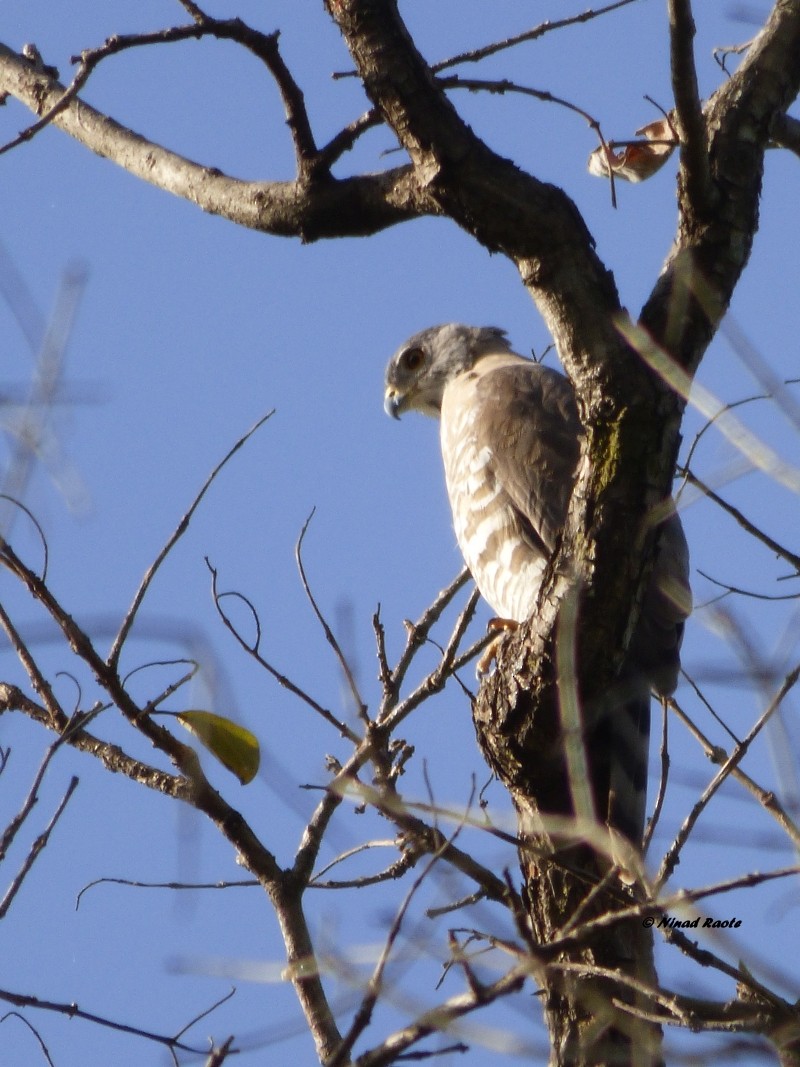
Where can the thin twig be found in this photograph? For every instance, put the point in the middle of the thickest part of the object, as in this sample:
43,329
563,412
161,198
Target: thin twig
418,632
363,1016
749,445
765,797
173,687
389,716
179,531
504,85
428,838
37,846
709,706
37,526
745,523
263,46
364,846
248,883
662,783
721,53
66,98
15,824
330,637
441,1018
57,717
751,593
456,905
710,421
33,1030
384,670
182,755
217,1056
72,1011
111,756
282,679
206,1012
477,54
344,140
672,855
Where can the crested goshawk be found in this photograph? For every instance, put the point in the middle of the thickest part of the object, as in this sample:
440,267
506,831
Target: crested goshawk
511,437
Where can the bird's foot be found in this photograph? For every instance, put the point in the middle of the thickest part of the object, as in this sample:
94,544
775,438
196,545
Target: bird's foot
500,627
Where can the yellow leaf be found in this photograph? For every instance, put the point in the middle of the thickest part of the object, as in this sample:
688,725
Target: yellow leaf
234,746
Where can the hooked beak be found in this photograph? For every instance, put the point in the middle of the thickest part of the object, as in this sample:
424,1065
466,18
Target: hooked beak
392,403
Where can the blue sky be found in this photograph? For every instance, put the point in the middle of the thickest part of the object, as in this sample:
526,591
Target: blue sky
188,330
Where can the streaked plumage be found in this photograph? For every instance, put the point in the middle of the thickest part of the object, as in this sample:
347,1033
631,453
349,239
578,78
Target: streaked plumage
510,437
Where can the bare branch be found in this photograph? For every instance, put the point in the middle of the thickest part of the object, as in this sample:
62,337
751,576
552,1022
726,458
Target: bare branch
40,684
33,1030
430,839
179,531
16,823
503,86
441,1018
281,679
302,968
662,784
194,787
745,523
219,1055
335,208
765,797
60,104
358,702
786,133
72,1011
111,756
248,883
477,54
344,140
752,593
363,1016
688,109
671,857
263,46
418,631
401,866
740,116
722,52
206,1012
37,846
391,716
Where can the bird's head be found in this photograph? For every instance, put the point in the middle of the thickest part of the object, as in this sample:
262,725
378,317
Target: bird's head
421,368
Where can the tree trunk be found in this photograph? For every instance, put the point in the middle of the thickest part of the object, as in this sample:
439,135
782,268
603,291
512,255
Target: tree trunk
584,975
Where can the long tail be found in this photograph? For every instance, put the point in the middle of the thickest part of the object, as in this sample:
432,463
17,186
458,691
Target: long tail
619,747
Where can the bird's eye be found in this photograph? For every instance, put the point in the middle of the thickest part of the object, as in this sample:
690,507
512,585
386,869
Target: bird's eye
412,359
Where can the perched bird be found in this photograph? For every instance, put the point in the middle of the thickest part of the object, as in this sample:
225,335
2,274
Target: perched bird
511,437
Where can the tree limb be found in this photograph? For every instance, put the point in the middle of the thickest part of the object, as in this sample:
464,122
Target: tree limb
706,260
348,207
695,175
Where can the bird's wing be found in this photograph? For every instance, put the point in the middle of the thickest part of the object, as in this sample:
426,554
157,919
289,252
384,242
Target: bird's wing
527,417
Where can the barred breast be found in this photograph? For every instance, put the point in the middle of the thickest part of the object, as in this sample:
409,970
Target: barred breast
507,569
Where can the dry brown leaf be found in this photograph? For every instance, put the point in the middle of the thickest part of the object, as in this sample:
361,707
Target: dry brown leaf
636,160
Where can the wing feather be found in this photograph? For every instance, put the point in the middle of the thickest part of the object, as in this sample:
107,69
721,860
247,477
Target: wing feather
527,417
